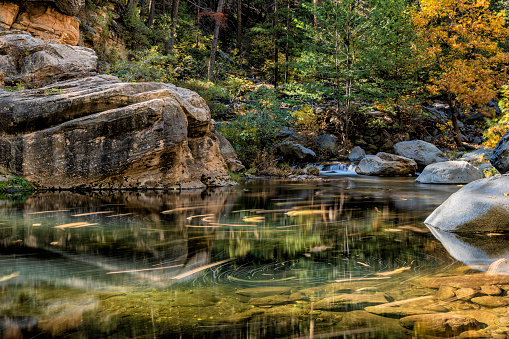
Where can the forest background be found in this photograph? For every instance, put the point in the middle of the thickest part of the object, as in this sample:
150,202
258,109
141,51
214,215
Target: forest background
342,67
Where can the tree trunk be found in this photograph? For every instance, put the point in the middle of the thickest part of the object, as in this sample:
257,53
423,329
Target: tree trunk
276,47
215,40
454,119
315,7
287,47
239,29
173,29
151,13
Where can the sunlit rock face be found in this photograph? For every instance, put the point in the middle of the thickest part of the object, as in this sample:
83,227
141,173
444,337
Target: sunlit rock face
98,132
481,206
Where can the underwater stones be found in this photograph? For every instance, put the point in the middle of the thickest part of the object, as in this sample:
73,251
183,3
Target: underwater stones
474,281
439,324
396,312
450,172
491,301
445,292
371,323
261,292
270,300
481,206
491,290
198,298
350,301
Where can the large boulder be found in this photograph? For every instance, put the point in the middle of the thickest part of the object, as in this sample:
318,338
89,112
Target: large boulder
43,21
500,157
478,156
387,165
98,132
356,154
28,60
481,206
326,146
450,172
296,153
422,152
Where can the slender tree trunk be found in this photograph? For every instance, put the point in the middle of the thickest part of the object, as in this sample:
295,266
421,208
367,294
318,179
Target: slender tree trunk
151,13
197,32
215,40
315,7
239,29
276,46
173,29
131,4
287,47
454,119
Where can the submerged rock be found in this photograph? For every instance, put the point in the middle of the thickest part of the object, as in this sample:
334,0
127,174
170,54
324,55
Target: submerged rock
261,292
439,324
481,206
350,301
450,172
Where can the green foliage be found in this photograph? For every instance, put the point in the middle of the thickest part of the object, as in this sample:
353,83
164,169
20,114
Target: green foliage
16,184
137,34
147,65
255,129
20,86
497,127
54,91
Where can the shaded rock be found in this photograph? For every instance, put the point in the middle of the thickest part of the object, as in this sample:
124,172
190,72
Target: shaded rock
474,281
29,60
356,154
449,172
422,152
326,146
69,7
491,301
44,22
385,164
446,292
261,292
480,206
439,324
500,157
350,301
229,154
100,132
296,153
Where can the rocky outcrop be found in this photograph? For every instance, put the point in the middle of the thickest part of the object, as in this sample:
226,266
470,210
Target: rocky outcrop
99,132
422,152
40,19
356,154
500,157
229,154
481,206
450,172
69,7
296,153
28,60
385,164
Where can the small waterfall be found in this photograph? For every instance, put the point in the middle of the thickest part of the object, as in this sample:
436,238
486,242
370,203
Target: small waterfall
336,168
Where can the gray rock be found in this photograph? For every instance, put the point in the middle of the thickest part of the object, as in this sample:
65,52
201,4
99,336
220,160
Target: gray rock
481,206
500,158
296,153
450,172
422,152
478,156
385,164
229,154
326,146
356,154
69,7
28,60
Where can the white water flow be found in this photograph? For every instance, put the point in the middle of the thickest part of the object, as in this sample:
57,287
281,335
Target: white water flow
337,168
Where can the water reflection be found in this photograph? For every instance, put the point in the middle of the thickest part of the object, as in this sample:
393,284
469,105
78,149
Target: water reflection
197,263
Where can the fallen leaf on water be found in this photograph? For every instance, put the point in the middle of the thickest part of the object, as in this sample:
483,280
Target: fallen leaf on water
53,243
360,279
363,264
415,229
308,255
36,225
494,234
253,219
74,225
9,276
491,197
392,230
396,271
91,213
320,248
303,212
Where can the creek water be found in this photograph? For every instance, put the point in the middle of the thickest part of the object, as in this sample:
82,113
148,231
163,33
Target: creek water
258,260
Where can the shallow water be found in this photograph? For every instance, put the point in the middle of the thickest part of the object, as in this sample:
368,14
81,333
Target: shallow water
259,260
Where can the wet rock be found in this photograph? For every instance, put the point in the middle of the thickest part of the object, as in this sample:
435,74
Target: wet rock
445,292
296,153
491,290
28,60
350,301
491,301
481,206
356,154
422,152
474,281
450,172
500,157
385,164
439,324
260,292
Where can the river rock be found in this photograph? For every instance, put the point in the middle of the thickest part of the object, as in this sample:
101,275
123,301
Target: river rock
449,172
356,154
296,153
478,156
385,164
349,301
474,281
481,206
439,324
491,301
500,157
266,291
45,22
491,290
422,152
326,146
445,292
28,60
229,154
99,132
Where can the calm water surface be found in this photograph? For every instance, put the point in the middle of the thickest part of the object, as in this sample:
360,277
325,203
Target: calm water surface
259,260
